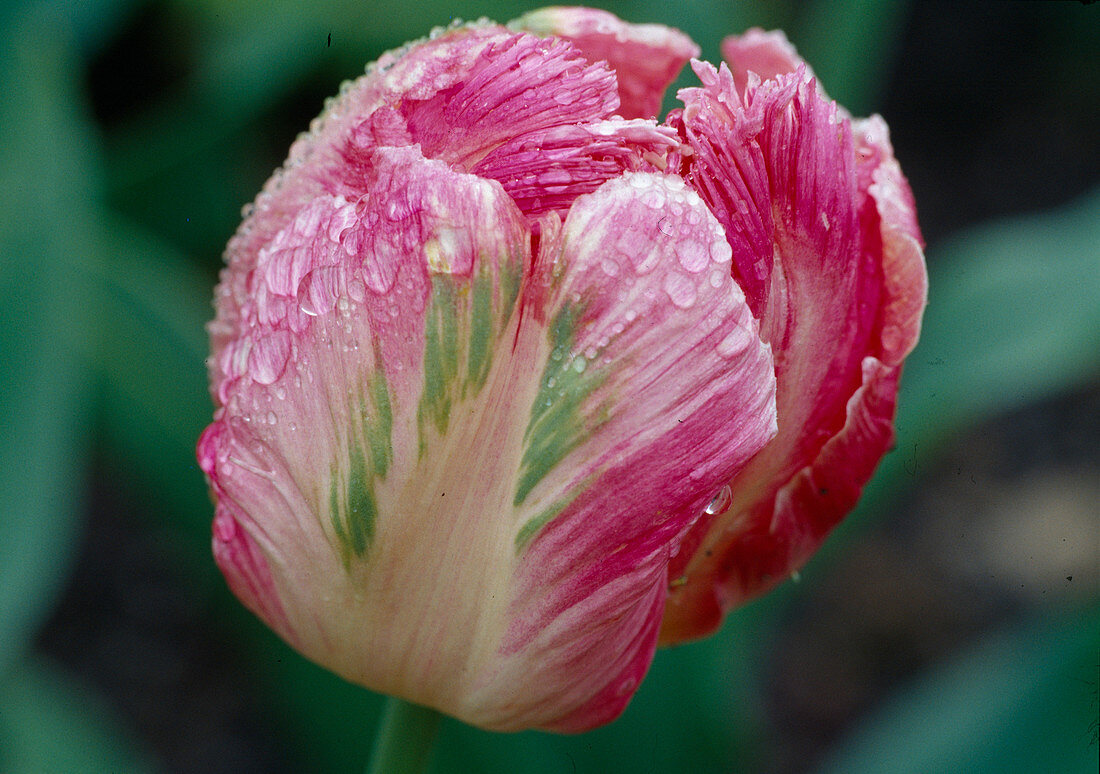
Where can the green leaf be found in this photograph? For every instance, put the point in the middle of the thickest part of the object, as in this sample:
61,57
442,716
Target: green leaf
149,358
1012,317
51,723
48,187
1023,701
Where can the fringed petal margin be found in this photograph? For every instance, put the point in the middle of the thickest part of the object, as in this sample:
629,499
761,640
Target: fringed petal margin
830,256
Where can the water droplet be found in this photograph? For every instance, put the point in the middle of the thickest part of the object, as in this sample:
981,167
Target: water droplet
268,358
357,290
681,290
610,267
721,502
654,199
271,418
579,364
693,255
555,176
734,343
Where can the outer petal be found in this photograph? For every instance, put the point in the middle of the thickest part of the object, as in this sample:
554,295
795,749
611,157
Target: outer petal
437,461
645,57
825,242
654,348
323,393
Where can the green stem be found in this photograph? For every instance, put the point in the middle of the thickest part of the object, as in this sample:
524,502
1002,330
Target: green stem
403,744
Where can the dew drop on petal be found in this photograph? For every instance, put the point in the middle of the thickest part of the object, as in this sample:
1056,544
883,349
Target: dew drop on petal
693,255
271,418
681,290
268,358
734,343
654,199
721,502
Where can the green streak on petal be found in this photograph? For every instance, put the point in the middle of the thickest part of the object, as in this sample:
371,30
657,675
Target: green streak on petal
378,427
353,523
534,524
361,508
481,331
353,515
557,424
510,279
334,515
440,355
461,326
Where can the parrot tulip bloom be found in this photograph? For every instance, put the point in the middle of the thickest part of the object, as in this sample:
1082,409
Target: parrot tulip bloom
513,381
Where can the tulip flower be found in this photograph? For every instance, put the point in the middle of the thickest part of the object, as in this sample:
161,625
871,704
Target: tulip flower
513,381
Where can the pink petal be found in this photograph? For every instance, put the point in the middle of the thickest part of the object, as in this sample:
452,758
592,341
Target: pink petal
646,58
768,54
336,348
545,171
395,496
825,243
519,84
673,393
772,536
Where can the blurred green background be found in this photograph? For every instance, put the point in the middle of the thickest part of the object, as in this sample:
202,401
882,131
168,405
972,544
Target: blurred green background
951,624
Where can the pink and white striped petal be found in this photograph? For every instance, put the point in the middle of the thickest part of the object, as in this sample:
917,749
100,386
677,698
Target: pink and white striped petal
656,388
824,242
444,466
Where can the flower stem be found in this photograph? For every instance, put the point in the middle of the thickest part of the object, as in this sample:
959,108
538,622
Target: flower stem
403,744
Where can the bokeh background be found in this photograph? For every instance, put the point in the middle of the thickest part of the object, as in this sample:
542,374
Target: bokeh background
951,624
